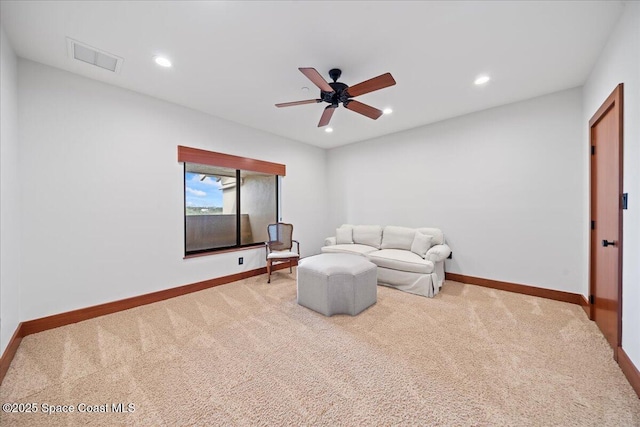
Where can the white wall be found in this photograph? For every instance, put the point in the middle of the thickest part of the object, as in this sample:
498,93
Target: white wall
620,63
505,186
103,191
9,194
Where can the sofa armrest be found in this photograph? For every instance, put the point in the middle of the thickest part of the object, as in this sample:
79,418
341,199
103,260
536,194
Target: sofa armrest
438,253
330,241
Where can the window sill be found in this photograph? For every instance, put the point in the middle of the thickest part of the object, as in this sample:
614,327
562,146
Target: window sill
223,251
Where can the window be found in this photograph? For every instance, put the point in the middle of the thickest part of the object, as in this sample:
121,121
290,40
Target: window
228,200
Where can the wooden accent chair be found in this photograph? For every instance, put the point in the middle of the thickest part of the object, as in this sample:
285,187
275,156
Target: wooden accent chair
279,246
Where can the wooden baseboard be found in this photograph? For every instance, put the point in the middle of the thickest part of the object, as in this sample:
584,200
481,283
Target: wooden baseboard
629,369
44,323
517,288
586,306
10,351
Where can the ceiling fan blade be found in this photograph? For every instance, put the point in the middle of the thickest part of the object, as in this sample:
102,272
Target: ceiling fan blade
291,104
364,109
316,78
326,116
380,82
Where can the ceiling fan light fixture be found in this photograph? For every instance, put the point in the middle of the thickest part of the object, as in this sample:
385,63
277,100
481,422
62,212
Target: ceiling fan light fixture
480,80
387,111
162,61
328,130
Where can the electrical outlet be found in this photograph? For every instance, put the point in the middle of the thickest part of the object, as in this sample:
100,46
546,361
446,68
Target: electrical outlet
240,261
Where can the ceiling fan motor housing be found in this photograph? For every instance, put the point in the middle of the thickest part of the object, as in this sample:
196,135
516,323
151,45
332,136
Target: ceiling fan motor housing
338,95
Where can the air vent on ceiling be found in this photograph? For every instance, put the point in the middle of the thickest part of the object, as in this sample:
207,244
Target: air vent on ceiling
91,55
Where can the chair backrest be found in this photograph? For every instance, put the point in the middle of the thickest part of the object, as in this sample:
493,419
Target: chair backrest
280,236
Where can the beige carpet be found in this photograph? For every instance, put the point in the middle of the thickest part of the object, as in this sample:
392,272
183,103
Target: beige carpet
246,354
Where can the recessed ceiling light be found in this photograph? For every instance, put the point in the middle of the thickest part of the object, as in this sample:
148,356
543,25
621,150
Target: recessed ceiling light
387,111
482,80
162,61
328,130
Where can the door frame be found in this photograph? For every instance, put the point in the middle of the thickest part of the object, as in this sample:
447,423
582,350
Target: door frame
614,99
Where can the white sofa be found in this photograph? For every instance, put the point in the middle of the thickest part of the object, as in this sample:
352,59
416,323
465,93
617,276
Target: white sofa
409,259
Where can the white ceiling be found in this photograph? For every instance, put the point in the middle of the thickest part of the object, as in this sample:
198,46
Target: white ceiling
236,59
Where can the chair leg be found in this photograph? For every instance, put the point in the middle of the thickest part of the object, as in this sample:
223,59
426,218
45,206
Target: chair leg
290,264
269,270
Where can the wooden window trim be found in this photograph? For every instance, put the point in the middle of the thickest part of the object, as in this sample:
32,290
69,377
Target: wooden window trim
211,158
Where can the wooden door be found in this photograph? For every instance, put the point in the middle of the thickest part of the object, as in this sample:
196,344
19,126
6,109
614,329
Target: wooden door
606,216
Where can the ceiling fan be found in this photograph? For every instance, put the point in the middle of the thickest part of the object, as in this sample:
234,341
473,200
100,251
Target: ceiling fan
336,93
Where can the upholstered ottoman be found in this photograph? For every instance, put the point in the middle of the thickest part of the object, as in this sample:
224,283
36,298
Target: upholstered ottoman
337,283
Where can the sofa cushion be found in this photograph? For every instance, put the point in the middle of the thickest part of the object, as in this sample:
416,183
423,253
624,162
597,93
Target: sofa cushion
344,235
437,236
421,244
398,238
370,235
352,248
398,259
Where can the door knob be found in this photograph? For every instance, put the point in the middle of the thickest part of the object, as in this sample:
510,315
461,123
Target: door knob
606,243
